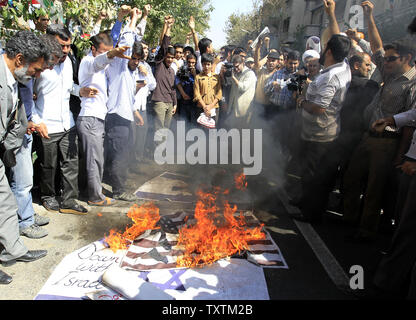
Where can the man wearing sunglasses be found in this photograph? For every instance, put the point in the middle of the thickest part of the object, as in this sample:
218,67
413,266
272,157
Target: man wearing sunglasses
378,153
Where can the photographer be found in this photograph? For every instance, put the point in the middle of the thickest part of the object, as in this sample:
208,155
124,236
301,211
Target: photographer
242,93
185,79
281,89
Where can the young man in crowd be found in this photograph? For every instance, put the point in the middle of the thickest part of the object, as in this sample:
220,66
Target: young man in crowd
185,80
207,88
164,96
91,120
122,88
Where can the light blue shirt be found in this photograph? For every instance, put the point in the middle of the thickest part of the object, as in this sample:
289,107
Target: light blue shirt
122,81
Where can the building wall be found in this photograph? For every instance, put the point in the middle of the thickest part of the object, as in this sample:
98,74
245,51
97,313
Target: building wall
311,15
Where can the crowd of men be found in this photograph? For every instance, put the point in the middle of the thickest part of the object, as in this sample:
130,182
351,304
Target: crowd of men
342,112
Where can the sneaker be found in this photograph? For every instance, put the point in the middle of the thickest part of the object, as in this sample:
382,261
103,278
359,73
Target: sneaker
72,207
41,220
125,196
33,232
51,204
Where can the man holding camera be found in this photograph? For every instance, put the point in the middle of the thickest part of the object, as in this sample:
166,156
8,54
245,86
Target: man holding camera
185,79
282,108
242,93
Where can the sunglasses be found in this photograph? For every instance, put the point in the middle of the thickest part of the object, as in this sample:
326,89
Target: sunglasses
391,58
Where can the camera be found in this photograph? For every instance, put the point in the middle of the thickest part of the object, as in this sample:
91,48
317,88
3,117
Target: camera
184,74
295,82
229,72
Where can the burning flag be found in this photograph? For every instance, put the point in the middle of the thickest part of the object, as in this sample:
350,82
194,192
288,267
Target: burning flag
217,234
144,217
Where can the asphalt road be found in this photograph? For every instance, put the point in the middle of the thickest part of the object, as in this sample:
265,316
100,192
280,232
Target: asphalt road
318,257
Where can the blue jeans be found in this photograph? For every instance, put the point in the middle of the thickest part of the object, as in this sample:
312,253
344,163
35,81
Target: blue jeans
21,182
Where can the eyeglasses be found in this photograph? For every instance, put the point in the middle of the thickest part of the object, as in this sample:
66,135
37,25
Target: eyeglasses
391,58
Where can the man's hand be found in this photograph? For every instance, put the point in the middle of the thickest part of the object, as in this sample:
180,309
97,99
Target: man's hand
31,127
143,70
140,85
381,124
329,6
368,7
186,97
103,15
408,168
123,12
276,85
86,92
191,23
174,109
353,34
118,52
42,130
138,120
136,13
267,41
171,21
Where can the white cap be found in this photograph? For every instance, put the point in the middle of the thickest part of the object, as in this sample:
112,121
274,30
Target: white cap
313,43
310,54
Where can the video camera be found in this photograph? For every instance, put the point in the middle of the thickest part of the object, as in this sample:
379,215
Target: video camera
229,72
184,74
295,82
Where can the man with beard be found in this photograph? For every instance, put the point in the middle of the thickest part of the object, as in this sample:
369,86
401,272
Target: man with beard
23,58
59,141
321,119
377,154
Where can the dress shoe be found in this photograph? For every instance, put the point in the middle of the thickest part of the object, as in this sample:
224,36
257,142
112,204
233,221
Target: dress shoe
41,220
31,255
72,207
51,204
5,278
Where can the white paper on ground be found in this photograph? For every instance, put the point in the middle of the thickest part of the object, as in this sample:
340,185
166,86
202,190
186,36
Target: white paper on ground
130,286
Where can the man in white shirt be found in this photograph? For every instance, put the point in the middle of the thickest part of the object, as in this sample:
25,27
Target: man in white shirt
242,93
91,120
51,112
122,88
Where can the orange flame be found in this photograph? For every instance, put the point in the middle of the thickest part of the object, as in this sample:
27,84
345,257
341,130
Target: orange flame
240,181
144,217
216,234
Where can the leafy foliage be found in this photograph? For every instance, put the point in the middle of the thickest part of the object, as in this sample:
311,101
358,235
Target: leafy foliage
80,16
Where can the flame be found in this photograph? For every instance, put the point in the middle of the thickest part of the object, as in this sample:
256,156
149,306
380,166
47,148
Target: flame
217,233
240,181
144,217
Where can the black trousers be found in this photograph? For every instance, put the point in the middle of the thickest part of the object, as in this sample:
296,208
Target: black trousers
394,272
319,170
61,149
118,143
